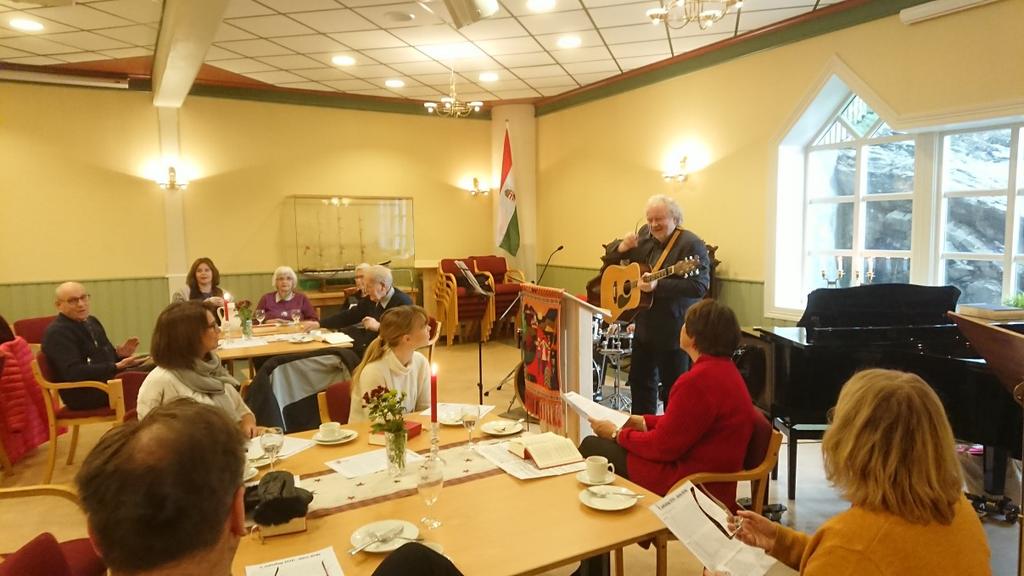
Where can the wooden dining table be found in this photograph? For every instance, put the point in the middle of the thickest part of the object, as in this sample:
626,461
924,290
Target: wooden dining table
492,523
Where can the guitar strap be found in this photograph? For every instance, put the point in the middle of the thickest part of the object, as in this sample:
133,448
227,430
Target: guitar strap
668,248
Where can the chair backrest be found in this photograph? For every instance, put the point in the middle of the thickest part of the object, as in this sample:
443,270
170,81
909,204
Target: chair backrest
496,265
334,402
760,438
32,329
131,381
42,556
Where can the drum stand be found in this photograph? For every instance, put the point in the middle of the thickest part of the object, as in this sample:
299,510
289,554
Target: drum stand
613,352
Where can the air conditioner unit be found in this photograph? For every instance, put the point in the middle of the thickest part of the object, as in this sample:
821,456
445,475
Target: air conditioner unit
937,9
465,12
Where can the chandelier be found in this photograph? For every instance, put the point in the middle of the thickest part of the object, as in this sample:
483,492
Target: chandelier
450,105
678,13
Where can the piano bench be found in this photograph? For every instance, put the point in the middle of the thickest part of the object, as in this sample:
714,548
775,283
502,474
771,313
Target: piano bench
794,433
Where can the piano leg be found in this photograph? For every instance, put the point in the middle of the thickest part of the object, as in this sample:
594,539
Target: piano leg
994,462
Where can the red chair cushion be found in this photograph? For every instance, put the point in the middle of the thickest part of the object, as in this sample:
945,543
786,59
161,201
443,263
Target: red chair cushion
82,558
131,381
44,367
339,400
759,440
42,556
66,413
32,329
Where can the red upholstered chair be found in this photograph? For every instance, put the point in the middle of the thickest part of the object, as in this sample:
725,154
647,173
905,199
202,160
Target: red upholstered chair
60,416
334,402
32,329
43,555
460,305
505,282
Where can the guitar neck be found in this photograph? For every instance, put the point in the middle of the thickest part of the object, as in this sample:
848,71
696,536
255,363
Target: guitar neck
673,269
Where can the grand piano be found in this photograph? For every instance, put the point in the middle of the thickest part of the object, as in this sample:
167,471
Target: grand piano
897,326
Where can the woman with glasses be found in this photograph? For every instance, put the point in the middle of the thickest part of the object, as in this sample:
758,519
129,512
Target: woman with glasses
183,347
284,304
890,452
202,283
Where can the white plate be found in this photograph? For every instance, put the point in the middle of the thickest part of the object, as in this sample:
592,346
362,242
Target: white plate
346,436
260,462
502,427
449,422
584,479
250,474
608,503
364,533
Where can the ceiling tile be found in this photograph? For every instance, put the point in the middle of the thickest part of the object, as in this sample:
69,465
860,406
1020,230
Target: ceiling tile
452,52
334,21
441,80
49,26
270,26
258,47
87,41
807,5
320,74
437,34
227,33
635,33
371,71
35,45
509,46
242,65
640,48
592,77
490,28
306,86
623,14
275,77
367,39
141,12
11,53
518,7
600,3
396,55
328,58
422,92
476,95
476,64
346,85
286,6
243,8
508,83
379,82
132,52
563,80
584,54
587,38
538,71
82,57
532,59
553,90
557,22
682,45
35,61
638,61
137,35
427,67
216,53
726,24
757,18
311,43
374,92
399,15
359,3
80,16
291,62
512,94
577,68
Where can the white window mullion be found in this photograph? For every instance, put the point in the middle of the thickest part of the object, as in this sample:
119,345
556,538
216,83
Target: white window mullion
1009,269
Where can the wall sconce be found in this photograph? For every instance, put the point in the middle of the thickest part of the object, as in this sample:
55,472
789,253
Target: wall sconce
476,189
170,181
678,174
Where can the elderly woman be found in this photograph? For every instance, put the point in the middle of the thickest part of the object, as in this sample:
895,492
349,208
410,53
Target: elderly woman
890,452
284,300
183,347
202,283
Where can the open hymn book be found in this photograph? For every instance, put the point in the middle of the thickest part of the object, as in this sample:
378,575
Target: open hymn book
546,450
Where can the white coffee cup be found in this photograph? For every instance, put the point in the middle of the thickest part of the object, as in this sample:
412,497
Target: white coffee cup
330,431
599,469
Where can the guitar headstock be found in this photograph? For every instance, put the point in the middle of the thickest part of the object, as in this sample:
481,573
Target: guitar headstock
685,268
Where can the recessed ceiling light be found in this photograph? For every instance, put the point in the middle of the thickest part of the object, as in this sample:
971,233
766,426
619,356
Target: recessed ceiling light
26,25
394,83
488,76
567,42
398,16
540,5
343,60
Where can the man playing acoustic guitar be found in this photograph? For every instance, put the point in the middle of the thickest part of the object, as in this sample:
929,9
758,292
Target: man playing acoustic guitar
659,244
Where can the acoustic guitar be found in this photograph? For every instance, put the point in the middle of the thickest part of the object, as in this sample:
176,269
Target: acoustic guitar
620,286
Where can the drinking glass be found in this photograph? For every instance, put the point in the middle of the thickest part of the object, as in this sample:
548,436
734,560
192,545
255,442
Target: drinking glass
260,316
296,316
429,480
469,418
272,440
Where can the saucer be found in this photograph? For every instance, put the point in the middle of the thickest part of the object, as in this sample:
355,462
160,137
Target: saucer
346,436
444,422
502,427
250,474
582,477
608,503
364,533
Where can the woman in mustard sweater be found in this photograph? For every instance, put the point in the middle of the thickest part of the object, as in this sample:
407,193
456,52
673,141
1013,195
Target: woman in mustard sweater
890,452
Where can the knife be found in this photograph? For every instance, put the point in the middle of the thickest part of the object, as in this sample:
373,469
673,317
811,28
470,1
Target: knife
378,537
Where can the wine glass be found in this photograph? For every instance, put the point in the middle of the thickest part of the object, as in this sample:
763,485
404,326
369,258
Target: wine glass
429,480
260,316
272,440
469,418
296,316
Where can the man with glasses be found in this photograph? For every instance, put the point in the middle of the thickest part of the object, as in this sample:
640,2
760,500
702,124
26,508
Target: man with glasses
77,348
379,288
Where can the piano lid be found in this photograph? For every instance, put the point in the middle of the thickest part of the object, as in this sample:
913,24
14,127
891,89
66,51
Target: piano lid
879,305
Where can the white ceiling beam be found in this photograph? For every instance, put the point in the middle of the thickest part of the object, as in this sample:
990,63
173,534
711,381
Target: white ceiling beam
186,32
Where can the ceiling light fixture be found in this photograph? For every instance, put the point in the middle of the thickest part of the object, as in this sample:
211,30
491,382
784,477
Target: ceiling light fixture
540,5
25,25
451,106
343,60
394,83
488,76
569,42
678,13
170,181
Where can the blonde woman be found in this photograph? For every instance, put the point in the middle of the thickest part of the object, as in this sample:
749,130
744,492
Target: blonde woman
890,452
392,361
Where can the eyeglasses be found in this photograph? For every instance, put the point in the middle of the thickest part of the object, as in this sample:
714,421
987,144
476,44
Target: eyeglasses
722,529
78,300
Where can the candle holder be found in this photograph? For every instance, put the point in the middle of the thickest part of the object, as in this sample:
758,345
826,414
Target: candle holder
833,282
435,440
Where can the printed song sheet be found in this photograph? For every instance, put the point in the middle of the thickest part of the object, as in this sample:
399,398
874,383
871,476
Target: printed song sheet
515,466
319,562
590,409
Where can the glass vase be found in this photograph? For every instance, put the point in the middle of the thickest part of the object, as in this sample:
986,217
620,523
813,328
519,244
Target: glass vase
247,329
394,446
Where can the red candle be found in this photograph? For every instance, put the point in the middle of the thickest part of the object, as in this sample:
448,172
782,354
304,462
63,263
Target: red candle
227,309
433,393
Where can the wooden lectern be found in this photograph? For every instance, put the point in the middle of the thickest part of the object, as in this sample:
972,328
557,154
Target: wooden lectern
1003,351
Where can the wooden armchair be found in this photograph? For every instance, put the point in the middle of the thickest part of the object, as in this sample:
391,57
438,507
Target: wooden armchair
462,306
435,335
505,282
60,416
32,329
334,402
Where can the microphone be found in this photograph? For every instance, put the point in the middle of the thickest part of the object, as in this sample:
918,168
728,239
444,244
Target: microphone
550,256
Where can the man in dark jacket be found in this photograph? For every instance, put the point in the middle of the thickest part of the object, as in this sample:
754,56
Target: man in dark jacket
382,294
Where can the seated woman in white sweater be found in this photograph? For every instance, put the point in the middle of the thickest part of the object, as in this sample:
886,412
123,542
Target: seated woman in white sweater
183,347
392,361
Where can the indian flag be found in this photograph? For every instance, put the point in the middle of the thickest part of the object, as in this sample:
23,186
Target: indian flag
508,216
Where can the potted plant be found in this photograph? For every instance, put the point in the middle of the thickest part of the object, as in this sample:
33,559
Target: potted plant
386,413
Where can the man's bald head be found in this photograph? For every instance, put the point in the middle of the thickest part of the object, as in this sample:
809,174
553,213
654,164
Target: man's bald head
72,300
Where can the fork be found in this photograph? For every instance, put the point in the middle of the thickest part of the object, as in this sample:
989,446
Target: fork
507,425
605,494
